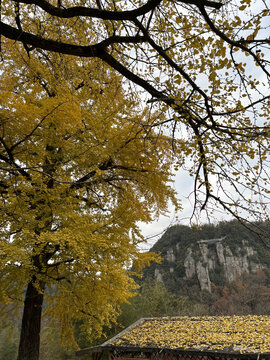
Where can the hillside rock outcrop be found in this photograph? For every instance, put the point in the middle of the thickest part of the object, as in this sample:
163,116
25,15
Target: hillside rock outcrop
194,257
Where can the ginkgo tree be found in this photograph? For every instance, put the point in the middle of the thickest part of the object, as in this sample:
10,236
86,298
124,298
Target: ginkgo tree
204,66
80,165
204,63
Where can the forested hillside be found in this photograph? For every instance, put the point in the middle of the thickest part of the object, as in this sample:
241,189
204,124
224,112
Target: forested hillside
206,262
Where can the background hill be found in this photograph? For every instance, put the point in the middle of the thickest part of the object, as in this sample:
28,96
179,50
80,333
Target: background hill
201,259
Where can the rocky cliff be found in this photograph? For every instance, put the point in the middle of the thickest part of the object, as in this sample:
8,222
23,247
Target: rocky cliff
208,255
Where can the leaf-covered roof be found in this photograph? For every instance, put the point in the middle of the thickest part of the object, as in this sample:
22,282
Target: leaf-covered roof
241,334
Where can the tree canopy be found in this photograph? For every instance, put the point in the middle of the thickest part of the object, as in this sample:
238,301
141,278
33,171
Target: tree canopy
205,63
80,166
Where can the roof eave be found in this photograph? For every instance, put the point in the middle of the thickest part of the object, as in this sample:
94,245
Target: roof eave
107,347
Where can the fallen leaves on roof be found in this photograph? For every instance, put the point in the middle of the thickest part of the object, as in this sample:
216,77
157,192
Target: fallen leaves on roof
244,334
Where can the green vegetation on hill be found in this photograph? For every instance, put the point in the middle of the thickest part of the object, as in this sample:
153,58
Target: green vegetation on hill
179,240
182,235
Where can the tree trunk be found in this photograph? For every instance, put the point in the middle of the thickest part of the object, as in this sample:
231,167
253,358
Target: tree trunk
31,322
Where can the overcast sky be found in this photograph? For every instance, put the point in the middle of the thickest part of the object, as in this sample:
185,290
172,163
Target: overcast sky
183,184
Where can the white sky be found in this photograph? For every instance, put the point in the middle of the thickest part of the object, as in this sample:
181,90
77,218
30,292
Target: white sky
184,186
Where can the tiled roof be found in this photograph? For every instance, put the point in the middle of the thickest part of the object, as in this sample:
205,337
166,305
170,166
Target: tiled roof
207,334
244,334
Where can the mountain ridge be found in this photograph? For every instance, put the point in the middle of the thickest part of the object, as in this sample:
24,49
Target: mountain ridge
207,256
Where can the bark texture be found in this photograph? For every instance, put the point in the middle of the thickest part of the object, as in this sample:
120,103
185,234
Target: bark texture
31,322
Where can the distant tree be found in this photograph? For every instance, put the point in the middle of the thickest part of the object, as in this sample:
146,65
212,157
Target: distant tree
154,301
8,345
80,166
249,294
50,347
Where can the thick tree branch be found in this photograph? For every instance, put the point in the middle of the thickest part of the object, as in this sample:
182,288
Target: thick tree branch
65,48
109,15
211,4
92,12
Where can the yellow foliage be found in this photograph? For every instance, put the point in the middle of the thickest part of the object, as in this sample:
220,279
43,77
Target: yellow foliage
244,334
79,168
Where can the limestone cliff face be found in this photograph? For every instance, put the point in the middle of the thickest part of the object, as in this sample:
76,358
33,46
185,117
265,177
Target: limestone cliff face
208,261
219,254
